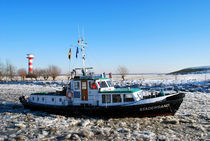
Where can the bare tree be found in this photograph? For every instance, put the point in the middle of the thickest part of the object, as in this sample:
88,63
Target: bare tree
123,71
37,73
10,70
45,73
2,72
22,73
54,71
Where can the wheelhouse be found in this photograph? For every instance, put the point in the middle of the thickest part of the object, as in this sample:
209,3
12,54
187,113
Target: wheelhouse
99,92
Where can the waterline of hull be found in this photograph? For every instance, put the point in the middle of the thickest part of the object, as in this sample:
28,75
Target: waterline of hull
167,107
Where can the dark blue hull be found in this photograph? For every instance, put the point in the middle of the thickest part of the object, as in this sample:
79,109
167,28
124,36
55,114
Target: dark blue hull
166,107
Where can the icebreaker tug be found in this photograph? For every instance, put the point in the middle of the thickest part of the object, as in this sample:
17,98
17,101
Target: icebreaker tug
96,96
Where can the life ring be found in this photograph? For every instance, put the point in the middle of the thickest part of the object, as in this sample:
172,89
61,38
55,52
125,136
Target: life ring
69,95
94,86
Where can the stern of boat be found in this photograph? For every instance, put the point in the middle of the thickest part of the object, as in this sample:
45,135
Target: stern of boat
24,100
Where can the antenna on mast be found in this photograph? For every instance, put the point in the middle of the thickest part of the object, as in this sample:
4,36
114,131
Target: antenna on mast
83,45
83,33
83,53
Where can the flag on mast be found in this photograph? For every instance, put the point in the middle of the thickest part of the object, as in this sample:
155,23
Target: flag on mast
83,57
77,52
70,54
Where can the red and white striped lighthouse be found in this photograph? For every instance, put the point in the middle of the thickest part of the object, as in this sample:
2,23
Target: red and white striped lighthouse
30,61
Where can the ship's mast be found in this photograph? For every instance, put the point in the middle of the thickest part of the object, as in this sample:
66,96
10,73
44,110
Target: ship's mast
83,52
83,45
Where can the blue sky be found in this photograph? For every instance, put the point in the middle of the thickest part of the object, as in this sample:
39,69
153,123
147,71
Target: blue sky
143,35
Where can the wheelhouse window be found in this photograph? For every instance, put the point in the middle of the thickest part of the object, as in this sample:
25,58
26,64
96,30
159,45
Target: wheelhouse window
84,85
106,98
103,84
76,94
139,96
76,85
116,98
110,83
128,98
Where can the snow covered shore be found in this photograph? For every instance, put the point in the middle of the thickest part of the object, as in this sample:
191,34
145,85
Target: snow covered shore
191,122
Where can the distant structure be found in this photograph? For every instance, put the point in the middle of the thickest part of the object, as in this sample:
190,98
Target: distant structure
30,65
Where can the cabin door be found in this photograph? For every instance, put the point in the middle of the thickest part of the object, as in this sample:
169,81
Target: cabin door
84,90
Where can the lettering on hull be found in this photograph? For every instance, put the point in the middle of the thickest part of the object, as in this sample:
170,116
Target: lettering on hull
154,107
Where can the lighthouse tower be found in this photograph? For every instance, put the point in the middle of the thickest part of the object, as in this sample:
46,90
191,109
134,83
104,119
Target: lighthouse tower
30,65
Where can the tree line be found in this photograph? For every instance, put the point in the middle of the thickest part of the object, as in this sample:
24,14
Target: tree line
8,72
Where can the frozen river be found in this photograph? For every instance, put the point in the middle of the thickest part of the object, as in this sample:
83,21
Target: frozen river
191,122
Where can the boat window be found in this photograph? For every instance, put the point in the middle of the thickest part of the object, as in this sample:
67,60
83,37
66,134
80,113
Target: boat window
110,83
60,99
37,98
92,85
116,98
76,85
70,85
53,99
106,98
128,98
103,84
42,98
84,85
33,98
76,94
140,96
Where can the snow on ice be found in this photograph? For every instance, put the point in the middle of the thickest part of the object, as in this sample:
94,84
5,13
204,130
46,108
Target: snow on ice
191,121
